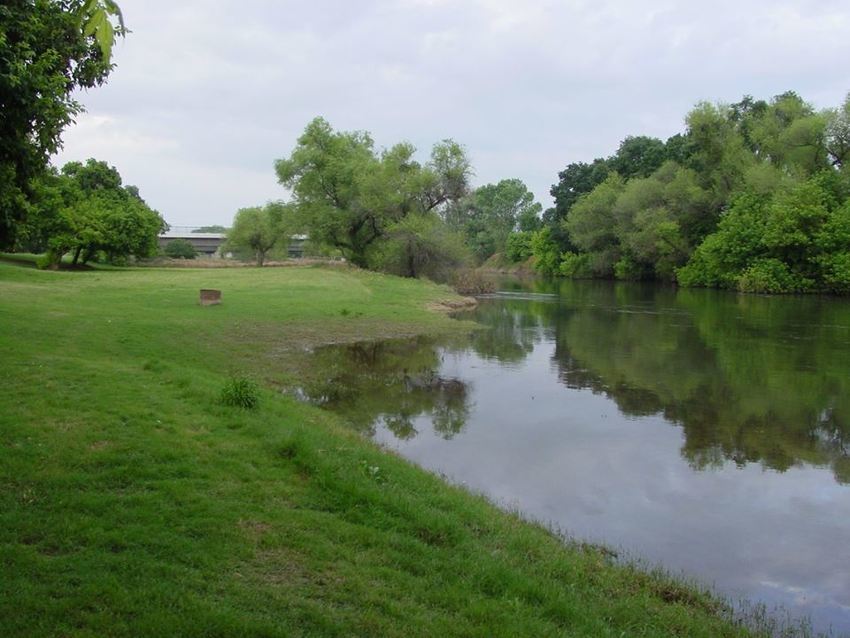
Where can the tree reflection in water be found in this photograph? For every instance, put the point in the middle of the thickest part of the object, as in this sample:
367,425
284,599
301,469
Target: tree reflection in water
390,382
749,379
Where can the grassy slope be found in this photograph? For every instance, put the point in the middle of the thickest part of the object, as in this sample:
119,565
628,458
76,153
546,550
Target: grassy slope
132,504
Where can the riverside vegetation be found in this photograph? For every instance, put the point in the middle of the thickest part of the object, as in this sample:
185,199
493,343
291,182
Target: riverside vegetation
753,196
135,502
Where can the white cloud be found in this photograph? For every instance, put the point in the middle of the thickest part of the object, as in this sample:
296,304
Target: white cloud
225,88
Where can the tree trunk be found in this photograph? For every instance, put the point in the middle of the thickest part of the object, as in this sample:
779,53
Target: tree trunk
411,261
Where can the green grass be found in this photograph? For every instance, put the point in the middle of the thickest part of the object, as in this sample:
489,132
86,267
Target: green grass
133,502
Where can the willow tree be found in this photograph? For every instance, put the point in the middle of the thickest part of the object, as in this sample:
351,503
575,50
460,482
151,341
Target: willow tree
259,229
348,195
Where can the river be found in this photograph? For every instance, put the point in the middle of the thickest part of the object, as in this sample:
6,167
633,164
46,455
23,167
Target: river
703,431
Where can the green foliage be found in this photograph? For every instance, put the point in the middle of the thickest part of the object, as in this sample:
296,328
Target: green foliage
348,196
240,392
547,255
575,265
85,210
638,156
746,186
489,215
769,275
180,249
260,229
518,246
837,134
421,245
48,50
628,268
795,241
592,224
574,181
718,152
836,272
789,134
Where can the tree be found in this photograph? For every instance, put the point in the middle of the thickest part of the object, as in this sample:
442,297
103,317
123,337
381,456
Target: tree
518,247
718,153
638,156
492,212
93,213
48,49
574,181
797,240
592,224
180,249
347,195
789,134
422,245
837,134
260,229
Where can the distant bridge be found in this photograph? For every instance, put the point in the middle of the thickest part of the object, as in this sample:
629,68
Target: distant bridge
209,244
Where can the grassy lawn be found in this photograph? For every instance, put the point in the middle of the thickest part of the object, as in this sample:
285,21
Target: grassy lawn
132,503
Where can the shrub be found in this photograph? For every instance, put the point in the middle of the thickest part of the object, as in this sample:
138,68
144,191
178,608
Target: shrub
49,260
546,252
241,392
420,246
472,282
836,269
180,249
628,269
518,246
574,265
770,275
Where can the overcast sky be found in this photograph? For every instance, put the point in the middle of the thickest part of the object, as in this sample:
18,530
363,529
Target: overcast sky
206,95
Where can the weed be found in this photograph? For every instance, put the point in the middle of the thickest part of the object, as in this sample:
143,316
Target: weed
241,392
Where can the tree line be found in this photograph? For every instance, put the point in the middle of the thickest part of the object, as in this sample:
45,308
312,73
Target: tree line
753,196
48,50
384,209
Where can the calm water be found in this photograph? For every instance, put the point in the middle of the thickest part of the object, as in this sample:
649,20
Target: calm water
705,431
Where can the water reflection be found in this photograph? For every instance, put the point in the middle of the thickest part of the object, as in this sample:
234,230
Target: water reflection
707,431
749,379
389,383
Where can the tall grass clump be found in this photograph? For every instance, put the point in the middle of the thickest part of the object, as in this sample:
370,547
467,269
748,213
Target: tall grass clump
241,392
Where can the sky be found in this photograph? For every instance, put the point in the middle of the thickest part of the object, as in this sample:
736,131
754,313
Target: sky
207,95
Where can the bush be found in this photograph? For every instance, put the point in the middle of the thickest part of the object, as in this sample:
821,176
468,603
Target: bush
180,249
836,269
48,261
420,246
771,275
518,246
547,254
472,282
241,392
574,265
627,268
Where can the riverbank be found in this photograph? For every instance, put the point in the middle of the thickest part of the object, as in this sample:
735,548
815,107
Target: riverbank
135,503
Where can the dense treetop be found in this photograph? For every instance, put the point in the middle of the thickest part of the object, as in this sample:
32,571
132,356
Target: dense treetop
753,195
86,211
48,48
